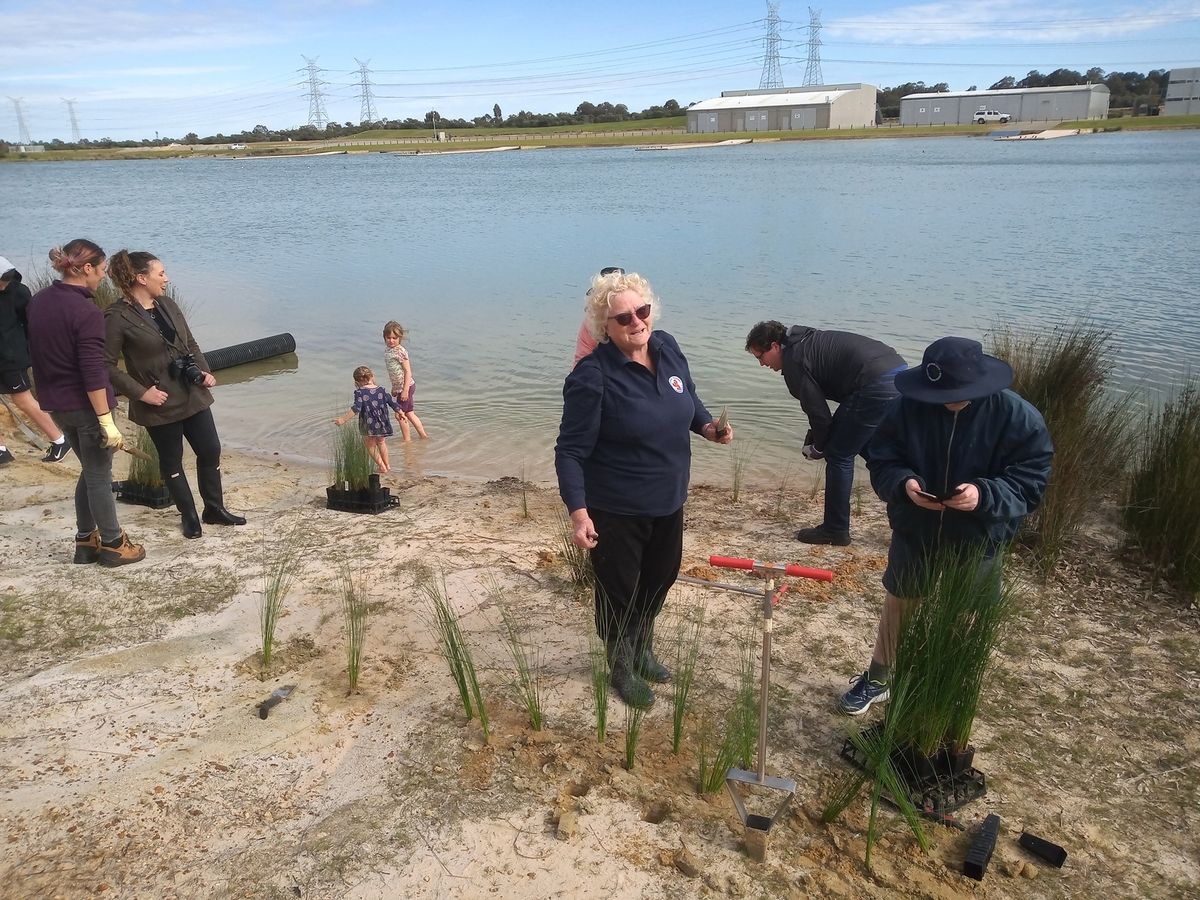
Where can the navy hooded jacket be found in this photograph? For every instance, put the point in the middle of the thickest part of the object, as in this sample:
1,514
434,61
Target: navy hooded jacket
999,443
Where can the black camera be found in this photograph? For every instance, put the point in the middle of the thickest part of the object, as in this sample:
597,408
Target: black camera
185,369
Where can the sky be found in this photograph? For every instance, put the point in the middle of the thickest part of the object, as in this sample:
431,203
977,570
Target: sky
141,68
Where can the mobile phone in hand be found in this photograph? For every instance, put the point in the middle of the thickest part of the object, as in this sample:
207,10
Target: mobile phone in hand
940,499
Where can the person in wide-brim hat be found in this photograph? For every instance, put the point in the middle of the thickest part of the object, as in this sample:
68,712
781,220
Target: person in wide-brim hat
960,460
954,369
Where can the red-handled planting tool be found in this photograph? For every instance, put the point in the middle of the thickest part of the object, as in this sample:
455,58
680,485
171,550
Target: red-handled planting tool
758,827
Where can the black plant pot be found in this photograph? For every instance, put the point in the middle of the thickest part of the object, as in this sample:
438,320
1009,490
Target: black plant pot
143,494
372,499
955,762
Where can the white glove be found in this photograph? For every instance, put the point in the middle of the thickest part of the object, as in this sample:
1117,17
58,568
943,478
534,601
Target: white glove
110,437
811,452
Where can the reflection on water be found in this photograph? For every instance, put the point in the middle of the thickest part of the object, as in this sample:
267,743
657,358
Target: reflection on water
485,260
286,364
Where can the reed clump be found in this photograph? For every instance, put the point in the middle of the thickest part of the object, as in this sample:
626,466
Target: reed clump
529,671
735,746
688,634
352,463
600,673
1065,374
145,472
281,564
1162,506
355,611
577,560
456,652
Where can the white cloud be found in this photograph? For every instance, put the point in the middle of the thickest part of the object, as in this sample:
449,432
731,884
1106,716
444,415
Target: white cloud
144,72
1026,21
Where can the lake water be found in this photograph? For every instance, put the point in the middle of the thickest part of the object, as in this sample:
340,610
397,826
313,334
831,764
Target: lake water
485,259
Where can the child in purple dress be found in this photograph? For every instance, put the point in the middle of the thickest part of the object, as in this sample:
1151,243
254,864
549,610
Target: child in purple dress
371,404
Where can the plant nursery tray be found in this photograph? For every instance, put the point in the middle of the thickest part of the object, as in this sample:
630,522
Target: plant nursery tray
364,501
143,495
934,794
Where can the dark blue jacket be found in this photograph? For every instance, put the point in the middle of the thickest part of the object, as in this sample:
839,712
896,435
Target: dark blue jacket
1000,444
624,445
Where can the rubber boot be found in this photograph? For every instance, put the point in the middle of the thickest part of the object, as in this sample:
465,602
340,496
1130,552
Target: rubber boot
215,513
647,664
181,493
630,687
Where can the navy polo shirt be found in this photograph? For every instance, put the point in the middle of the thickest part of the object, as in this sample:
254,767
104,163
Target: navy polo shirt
624,445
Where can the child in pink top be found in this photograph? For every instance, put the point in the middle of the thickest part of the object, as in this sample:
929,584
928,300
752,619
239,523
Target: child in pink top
400,371
584,342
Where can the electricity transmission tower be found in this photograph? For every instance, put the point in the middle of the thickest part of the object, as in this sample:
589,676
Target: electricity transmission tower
22,128
771,76
364,85
75,136
812,71
317,117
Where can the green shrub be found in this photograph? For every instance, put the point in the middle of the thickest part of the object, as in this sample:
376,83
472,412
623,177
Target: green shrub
1162,509
1065,374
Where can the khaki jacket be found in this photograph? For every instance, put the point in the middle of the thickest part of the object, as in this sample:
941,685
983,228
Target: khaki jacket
132,334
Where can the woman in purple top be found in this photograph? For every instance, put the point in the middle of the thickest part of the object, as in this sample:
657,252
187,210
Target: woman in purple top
66,345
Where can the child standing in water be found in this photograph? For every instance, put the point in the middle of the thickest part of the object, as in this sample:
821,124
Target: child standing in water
371,404
400,371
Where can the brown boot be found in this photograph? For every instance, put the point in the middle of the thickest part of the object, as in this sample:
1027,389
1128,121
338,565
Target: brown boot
87,550
123,554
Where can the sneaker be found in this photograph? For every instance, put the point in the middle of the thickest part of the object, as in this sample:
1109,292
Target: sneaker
6,457
822,535
862,694
87,550
123,554
57,452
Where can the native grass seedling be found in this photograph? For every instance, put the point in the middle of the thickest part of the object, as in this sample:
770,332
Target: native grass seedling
600,673
524,493
1065,374
738,740
577,559
688,633
145,472
529,676
281,563
456,652
1162,508
739,458
781,492
352,463
354,624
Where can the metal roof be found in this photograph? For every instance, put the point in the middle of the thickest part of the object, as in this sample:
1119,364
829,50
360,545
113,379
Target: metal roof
759,101
1009,91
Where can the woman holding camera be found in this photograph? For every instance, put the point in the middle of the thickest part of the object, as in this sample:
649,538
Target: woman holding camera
166,380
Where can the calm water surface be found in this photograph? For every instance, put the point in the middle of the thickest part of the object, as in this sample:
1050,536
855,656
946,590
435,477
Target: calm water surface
485,259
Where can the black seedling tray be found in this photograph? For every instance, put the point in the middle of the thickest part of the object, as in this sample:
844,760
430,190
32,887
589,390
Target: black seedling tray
143,495
935,792
363,501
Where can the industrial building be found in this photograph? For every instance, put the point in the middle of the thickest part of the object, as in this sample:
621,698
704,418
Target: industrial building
1183,93
786,109
1048,104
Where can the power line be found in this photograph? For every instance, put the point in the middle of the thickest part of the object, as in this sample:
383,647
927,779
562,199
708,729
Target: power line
22,127
771,78
367,115
317,116
812,69
75,136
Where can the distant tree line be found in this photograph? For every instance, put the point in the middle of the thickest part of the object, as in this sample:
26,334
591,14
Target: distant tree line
586,113
1127,90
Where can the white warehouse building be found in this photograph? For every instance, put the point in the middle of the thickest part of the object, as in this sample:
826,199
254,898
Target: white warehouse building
1047,104
786,109
1183,93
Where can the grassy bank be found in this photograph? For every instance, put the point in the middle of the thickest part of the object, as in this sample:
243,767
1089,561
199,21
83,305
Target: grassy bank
625,134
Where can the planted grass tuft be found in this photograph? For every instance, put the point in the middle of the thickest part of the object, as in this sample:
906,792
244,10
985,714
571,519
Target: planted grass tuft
281,563
352,463
739,734
145,472
600,673
687,651
739,458
354,612
456,652
529,677
1065,373
578,561
1162,508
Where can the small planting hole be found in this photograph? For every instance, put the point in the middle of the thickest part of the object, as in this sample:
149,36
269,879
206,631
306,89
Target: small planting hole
657,814
577,788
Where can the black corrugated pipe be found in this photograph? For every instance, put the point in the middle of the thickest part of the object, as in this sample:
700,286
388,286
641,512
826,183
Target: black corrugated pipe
251,351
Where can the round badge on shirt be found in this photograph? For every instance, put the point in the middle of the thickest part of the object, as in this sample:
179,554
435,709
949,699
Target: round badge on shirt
676,383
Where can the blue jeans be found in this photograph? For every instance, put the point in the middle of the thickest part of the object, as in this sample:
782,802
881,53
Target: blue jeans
853,424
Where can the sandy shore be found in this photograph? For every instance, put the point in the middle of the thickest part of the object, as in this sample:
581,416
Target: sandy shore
133,763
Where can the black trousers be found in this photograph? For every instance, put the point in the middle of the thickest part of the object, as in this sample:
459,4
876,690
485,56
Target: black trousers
201,433
636,560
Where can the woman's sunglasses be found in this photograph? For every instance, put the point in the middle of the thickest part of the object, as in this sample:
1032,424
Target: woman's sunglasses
626,318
